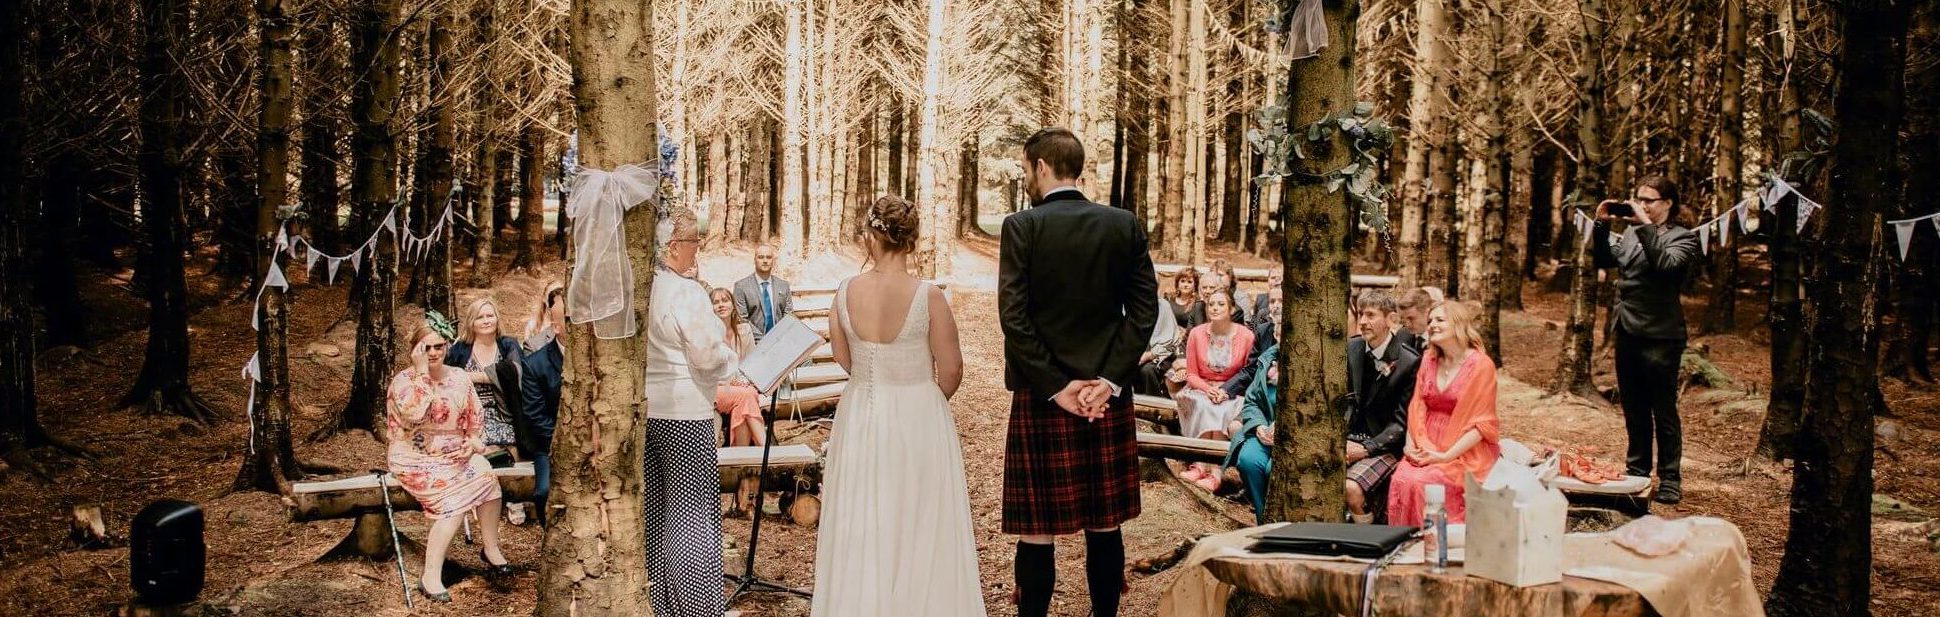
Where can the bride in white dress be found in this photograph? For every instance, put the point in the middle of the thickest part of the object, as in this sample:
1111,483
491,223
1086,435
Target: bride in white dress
895,536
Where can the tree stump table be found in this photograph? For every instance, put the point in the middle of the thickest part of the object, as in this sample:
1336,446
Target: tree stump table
1334,588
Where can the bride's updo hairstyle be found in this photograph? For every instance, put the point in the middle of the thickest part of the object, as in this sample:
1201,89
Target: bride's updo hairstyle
893,224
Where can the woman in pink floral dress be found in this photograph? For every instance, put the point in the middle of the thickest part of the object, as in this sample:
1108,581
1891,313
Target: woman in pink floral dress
436,429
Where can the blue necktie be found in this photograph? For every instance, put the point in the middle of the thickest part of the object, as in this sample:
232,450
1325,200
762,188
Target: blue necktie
767,307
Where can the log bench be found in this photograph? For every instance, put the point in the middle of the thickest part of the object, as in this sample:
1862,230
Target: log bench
356,497
819,374
1158,410
1188,449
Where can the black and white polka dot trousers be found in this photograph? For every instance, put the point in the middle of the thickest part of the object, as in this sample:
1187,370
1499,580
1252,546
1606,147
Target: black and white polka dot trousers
683,512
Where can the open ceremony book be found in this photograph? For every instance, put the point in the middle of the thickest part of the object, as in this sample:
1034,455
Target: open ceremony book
780,351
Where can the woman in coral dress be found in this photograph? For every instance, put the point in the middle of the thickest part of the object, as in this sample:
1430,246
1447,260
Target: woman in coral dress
1452,425
436,430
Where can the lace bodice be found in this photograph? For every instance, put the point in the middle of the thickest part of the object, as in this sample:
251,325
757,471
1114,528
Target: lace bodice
903,360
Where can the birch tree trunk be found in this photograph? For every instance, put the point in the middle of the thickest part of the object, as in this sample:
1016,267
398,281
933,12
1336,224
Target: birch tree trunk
594,558
1827,567
1310,426
1573,368
1424,108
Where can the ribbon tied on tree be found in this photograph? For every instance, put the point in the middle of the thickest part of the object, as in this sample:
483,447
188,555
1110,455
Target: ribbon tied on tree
600,288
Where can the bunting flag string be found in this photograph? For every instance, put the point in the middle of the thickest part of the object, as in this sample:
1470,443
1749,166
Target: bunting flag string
1903,230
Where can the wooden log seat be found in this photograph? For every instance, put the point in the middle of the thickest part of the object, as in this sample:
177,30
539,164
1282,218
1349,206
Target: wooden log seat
1189,449
349,497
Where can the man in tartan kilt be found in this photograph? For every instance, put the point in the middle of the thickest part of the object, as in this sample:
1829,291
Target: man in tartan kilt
1075,289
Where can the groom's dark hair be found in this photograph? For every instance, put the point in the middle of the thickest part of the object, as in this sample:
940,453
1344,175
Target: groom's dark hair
1059,148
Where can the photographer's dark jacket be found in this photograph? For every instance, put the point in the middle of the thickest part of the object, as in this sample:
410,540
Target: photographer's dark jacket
1651,262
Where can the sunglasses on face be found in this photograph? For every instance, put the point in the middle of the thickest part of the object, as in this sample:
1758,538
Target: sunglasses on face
437,347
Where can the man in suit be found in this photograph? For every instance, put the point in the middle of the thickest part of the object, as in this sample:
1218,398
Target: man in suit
1075,290
1413,326
1651,258
1263,311
762,298
539,384
1380,383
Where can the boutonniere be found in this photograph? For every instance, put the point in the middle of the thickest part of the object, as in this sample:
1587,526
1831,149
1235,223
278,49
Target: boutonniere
1383,367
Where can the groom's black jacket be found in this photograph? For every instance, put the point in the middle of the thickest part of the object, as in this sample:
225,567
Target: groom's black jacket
1075,289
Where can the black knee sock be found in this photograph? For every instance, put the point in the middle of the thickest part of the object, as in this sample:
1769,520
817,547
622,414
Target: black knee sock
1037,575
1105,570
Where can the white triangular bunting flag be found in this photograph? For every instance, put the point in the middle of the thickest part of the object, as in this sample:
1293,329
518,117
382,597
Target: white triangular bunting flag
1904,229
1583,227
390,221
331,265
275,277
1724,231
1776,191
1806,207
1936,224
357,261
1704,239
253,370
309,260
1742,215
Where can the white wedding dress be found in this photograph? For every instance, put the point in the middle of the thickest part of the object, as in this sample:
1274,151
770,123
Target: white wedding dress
895,537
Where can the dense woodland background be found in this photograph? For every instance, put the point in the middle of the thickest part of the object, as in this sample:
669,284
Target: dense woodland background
148,140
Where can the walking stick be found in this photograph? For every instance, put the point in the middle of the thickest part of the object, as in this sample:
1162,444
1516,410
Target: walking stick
403,581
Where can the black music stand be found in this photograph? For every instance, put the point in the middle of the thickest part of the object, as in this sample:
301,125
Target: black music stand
748,580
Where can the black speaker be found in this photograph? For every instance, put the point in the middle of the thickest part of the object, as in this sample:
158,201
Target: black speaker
166,552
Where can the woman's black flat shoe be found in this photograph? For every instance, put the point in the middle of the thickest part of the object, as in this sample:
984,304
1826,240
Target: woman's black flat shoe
495,569
442,597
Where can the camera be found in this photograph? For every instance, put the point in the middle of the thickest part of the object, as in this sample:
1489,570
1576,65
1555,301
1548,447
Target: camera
1622,208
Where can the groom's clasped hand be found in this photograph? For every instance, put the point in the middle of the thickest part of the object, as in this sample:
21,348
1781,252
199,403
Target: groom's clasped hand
1086,399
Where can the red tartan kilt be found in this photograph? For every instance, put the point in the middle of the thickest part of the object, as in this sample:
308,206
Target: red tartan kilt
1063,474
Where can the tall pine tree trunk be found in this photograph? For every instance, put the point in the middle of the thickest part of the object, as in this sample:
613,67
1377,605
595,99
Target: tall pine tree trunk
1789,338
594,558
163,385
532,198
485,163
270,463
322,199
1196,164
437,178
792,143
1909,339
1827,567
1177,243
1522,163
1494,102
1424,111
933,248
57,233
895,147
1722,308
20,428
1573,368
373,188
1310,424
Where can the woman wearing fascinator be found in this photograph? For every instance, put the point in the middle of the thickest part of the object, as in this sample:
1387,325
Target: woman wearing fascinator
436,429
687,356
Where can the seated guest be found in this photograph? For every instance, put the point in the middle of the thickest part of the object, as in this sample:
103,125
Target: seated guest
1452,425
1184,299
1380,383
1242,301
1220,283
436,429
1261,311
1215,352
1253,433
735,397
1265,336
492,360
762,298
1160,350
1414,307
543,377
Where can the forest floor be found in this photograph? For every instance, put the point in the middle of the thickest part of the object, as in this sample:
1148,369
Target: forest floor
261,564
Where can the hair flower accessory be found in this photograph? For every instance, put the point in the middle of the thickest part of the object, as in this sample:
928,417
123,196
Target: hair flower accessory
439,324
876,222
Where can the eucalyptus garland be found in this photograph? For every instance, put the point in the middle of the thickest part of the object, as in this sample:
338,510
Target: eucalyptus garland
1366,135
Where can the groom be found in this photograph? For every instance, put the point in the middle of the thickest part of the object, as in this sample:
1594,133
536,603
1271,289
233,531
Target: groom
1075,298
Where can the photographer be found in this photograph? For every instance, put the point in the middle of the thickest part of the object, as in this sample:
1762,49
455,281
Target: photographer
1651,257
